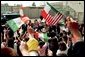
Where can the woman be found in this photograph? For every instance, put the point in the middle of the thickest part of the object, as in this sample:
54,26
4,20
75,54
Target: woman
62,49
42,48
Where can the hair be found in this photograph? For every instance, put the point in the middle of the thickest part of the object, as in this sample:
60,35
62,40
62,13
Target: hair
41,43
65,32
29,20
35,20
53,45
11,33
11,42
62,46
26,39
8,52
61,34
69,32
4,40
41,17
65,38
60,39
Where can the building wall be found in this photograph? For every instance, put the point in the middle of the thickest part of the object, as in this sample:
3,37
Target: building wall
78,7
15,9
33,12
5,8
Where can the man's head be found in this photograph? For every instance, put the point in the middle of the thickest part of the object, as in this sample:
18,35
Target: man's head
41,17
41,43
74,28
62,46
8,52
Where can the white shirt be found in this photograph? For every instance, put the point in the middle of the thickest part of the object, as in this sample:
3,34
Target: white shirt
61,52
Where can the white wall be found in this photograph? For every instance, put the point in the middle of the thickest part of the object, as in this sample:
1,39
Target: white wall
78,6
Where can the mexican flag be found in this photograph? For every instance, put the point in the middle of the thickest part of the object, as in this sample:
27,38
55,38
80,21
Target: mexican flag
15,24
43,36
51,15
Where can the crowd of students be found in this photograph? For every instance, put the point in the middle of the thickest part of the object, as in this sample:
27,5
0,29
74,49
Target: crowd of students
40,39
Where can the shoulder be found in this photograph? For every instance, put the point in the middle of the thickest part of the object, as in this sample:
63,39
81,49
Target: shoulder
79,44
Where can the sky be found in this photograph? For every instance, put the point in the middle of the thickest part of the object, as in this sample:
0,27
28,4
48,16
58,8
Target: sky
27,3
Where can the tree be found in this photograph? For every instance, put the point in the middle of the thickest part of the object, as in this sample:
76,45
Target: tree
33,4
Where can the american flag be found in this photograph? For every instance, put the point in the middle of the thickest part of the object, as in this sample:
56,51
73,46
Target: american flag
51,15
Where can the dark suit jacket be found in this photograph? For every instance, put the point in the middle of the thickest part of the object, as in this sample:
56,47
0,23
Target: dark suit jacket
24,27
77,49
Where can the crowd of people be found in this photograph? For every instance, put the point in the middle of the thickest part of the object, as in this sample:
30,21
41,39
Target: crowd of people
40,39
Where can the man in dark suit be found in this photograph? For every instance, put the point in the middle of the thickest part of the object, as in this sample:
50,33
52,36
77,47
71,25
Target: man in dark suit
78,43
24,28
